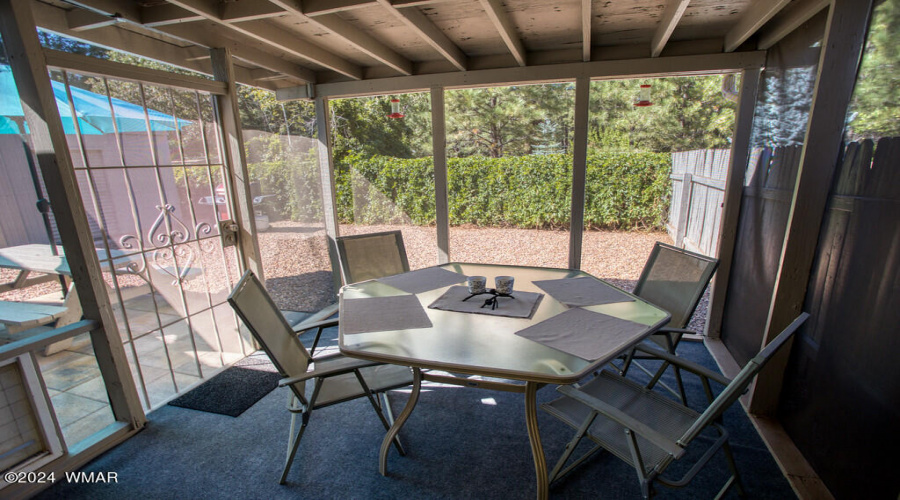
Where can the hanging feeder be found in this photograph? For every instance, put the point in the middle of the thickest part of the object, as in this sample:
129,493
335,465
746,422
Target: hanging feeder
395,109
644,97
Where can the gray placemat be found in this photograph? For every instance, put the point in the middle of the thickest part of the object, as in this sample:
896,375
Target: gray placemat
522,306
423,280
379,314
586,334
579,292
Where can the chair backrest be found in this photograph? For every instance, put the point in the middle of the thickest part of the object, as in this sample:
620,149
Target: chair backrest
674,279
370,256
259,313
739,383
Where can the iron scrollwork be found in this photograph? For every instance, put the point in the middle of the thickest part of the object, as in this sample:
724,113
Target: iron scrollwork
168,235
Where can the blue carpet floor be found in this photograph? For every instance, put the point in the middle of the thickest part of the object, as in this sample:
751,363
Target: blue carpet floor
461,443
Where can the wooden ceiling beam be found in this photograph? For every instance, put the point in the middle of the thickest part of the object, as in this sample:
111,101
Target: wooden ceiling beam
166,14
191,58
498,15
123,10
667,23
701,64
321,7
211,39
236,12
586,17
314,8
275,37
416,21
195,34
753,19
81,20
794,16
353,36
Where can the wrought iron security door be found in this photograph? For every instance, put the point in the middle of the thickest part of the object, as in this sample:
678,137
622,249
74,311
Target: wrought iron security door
149,165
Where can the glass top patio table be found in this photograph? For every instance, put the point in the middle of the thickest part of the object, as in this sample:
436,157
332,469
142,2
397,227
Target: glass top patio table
487,346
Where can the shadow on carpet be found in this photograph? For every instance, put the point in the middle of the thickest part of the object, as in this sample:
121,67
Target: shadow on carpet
235,389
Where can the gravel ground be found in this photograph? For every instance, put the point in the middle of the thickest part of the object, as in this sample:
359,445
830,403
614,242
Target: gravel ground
298,274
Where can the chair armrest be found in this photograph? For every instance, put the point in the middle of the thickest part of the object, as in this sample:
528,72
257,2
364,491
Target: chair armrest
624,419
303,326
667,329
329,366
684,364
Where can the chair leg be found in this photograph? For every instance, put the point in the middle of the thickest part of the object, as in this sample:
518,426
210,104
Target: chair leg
627,362
558,470
374,402
293,446
646,481
735,477
680,385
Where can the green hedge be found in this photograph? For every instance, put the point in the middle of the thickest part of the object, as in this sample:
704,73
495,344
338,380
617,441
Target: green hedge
624,190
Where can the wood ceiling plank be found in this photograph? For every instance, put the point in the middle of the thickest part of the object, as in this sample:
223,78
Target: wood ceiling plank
166,14
236,12
586,16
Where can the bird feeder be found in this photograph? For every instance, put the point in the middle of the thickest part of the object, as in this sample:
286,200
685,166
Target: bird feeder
644,97
395,109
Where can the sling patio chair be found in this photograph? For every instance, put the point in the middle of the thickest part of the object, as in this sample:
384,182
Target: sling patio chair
673,279
371,256
648,430
328,379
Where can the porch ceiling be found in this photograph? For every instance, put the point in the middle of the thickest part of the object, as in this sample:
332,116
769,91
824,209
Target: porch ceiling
290,43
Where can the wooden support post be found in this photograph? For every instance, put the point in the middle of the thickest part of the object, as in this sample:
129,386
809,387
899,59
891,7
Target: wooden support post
329,192
845,36
687,190
439,149
49,139
579,169
238,178
731,199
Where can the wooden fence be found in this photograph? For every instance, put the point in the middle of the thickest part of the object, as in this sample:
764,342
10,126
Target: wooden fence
698,187
844,382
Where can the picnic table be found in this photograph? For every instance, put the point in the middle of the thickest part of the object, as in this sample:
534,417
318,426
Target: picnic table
18,317
38,258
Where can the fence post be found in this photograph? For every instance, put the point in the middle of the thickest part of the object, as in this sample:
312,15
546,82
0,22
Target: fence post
687,185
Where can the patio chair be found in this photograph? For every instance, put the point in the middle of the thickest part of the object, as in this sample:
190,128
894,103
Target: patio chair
648,430
330,379
673,279
371,256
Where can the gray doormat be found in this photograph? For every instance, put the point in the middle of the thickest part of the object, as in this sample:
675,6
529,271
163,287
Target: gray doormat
234,390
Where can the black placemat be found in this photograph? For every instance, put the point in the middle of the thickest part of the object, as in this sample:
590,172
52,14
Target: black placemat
522,306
